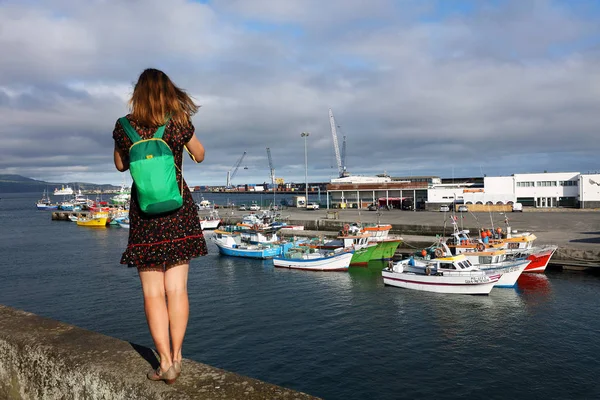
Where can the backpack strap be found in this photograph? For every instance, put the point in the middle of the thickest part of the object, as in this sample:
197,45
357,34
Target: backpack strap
161,130
129,131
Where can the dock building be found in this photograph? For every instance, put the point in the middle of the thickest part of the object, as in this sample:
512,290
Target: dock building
540,190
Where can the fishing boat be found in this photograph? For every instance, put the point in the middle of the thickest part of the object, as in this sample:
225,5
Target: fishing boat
451,275
538,256
519,246
81,200
94,221
122,197
491,261
204,204
359,242
232,244
124,223
379,234
45,203
310,259
211,221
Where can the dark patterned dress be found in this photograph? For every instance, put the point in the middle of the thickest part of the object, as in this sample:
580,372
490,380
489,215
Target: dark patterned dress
157,242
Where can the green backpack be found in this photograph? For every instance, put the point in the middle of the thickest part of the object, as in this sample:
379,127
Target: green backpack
152,168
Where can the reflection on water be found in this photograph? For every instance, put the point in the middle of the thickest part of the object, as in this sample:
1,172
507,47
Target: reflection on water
534,283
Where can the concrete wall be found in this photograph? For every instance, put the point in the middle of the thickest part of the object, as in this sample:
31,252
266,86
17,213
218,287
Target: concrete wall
589,190
45,359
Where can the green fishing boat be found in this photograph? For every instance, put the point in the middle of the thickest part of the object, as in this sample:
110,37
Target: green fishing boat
386,246
362,256
385,250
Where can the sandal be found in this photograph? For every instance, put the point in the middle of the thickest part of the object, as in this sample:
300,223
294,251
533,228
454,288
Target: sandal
169,376
177,367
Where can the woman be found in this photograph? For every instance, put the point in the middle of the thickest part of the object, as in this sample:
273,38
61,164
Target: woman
161,246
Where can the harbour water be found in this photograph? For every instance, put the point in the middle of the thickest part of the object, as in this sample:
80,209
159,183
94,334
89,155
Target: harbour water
333,335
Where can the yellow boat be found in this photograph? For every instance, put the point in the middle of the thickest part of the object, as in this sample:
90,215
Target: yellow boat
98,222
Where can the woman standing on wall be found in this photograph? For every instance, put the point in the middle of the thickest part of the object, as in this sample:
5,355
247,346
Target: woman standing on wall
161,246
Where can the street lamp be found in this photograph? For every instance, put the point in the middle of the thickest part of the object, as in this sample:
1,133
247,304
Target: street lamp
305,135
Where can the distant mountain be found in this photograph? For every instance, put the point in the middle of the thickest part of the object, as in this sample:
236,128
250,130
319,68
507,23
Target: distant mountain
22,184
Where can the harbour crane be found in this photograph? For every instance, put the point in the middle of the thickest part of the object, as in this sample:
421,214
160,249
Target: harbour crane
231,173
343,152
341,168
272,169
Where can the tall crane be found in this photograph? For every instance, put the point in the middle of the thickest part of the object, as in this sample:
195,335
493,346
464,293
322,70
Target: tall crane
343,153
272,169
336,148
230,173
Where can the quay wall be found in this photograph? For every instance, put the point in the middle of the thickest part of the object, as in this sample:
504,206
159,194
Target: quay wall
45,359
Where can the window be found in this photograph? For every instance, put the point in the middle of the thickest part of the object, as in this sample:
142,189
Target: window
568,183
525,184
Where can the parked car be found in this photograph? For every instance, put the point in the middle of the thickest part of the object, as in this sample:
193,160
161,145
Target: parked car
444,208
372,207
312,206
517,207
243,207
463,209
254,207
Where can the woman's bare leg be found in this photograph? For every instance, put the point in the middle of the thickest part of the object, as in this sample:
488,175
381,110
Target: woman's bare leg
178,306
153,286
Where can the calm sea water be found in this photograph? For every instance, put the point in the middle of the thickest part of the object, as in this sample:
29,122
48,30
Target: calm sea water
334,335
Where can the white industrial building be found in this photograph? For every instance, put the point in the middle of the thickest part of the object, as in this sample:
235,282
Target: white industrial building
542,190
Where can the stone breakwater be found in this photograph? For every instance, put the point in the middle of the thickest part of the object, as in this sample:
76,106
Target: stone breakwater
45,359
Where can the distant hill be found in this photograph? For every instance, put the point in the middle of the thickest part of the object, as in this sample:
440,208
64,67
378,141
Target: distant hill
22,184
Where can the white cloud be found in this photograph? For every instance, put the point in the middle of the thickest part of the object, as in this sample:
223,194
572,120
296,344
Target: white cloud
509,87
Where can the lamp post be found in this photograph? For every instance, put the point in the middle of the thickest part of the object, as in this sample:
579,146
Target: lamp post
305,135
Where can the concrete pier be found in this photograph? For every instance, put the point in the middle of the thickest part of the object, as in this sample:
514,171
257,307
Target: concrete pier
45,359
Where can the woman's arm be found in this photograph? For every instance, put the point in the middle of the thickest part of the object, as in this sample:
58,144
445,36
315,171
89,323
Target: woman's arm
195,148
121,160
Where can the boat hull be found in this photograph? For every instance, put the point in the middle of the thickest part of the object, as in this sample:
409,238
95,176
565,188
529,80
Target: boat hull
538,260
481,284
209,224
99,222
46,207
339,262
385,250
510,273
362,256
253,251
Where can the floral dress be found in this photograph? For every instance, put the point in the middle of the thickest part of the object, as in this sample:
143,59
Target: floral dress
157,242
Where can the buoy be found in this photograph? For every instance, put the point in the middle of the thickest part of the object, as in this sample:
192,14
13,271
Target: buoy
423,253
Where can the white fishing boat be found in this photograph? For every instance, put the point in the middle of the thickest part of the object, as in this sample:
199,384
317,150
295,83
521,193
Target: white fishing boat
124,223
452,275
310,259
492,262
204,204
122,198
210,221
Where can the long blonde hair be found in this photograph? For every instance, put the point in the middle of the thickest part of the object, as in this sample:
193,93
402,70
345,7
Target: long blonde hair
156,98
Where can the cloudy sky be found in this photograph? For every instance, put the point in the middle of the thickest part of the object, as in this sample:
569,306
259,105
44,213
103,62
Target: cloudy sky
418,87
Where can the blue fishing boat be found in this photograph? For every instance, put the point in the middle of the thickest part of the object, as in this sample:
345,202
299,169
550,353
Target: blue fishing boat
232,244
45,203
